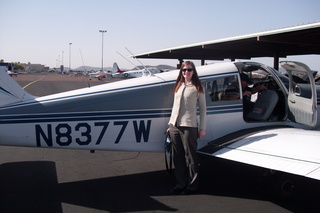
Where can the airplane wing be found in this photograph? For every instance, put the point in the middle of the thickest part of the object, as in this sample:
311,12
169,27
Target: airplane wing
290,150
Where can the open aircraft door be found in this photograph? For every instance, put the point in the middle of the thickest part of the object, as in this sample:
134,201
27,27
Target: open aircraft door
302,96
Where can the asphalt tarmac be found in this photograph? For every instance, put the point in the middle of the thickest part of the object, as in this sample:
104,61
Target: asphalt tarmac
65,181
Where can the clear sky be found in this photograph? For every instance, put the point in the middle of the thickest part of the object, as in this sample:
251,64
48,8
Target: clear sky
39,31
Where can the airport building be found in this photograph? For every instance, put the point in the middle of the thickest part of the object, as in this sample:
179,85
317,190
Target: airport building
34,68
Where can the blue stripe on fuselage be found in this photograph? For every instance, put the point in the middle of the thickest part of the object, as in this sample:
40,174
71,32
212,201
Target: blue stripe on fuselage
108,115
224,109
113,115
4,91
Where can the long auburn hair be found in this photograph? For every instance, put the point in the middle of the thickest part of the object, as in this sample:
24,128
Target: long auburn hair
195,78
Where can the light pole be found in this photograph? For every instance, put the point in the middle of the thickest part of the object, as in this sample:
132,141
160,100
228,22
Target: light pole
102,31
62,62
70,56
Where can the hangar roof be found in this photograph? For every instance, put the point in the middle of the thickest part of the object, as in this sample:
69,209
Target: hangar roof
295,40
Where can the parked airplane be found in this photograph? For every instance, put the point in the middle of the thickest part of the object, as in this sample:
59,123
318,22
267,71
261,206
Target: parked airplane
10,70
12,73
133,114
133,73
98,74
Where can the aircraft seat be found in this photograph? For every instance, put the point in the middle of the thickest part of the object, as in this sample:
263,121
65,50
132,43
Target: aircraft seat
231,92
263,107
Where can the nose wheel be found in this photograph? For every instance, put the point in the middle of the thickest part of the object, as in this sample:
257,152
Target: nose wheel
281,186
284,187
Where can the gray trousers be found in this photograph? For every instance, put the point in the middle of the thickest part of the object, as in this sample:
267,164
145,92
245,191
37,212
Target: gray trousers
185,156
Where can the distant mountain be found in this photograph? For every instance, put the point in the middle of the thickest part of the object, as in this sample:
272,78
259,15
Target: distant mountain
88,68
160,67
166,67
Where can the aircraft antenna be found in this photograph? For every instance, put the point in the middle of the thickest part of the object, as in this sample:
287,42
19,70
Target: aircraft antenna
84,67
129,61
139,61
144,66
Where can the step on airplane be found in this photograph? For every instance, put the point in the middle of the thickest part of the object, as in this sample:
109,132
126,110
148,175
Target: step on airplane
280,132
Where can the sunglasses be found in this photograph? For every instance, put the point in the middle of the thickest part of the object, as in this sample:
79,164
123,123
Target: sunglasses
189,70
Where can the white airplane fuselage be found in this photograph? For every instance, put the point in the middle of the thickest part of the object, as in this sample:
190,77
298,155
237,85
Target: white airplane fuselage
129,115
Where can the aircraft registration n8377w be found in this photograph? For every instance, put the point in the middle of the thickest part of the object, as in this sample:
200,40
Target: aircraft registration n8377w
133,114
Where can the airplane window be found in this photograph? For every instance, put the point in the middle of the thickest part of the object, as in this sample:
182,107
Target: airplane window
224,88
262,77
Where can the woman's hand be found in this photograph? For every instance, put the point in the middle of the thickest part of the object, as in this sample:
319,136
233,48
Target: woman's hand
202,133
246,93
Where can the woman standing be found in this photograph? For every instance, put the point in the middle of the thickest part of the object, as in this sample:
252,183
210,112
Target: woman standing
183,130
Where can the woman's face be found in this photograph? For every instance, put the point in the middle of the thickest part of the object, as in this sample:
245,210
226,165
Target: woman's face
187,72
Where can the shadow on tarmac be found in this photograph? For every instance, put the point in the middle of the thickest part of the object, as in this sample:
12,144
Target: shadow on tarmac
34,187
233,179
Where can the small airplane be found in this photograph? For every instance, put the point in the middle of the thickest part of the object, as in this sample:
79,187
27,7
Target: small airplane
98,74
117,72
281,131
12,73
9,69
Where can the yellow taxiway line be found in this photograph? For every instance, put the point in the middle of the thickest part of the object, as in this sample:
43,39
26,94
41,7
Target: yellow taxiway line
32,82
